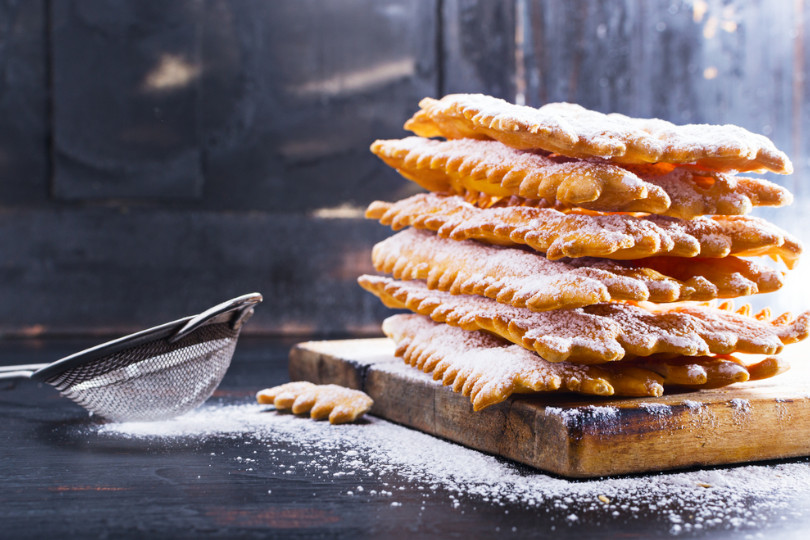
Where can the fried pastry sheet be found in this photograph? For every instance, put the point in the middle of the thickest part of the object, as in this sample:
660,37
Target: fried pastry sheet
463,166
574,131
490,369
525,278
331,401
601,333
611,236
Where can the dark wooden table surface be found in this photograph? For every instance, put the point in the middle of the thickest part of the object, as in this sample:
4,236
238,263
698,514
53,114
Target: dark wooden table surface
59,476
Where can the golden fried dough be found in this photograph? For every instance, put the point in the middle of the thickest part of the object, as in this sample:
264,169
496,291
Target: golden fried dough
706,279
697,193
765,369
339,404
574,131
719,371
470,166
463,165
525,278
612,236
600,333
489,369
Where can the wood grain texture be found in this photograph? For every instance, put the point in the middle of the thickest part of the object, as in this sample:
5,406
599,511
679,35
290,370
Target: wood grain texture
24,93
243,164
104,270
296,91
478,47
126,100
572,436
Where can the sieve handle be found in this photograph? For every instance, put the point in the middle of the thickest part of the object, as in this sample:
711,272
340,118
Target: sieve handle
243,305
19,372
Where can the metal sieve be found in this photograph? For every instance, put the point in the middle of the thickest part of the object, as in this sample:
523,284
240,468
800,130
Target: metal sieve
154,374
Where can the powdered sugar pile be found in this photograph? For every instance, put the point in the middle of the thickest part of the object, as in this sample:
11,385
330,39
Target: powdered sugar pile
741,499
741,410
588,418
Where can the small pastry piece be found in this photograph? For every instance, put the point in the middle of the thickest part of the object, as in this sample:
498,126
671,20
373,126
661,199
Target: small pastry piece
339,404
463,165
600,333
612,236
574,131
470,166
489,369
525,278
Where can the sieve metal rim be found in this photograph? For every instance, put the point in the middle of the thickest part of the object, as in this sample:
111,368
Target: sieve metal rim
234,311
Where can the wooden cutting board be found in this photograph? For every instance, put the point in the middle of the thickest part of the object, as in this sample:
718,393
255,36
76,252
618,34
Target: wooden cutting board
572,436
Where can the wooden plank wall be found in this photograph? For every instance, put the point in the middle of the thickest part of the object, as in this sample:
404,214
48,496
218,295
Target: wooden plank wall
156,157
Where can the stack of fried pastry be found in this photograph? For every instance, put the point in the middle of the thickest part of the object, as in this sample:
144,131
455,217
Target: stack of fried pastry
562,249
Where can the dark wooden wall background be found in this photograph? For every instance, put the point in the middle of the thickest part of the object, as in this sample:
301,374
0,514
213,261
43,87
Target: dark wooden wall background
156,157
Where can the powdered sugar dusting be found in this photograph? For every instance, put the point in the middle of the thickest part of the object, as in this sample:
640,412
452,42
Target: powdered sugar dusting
558,234
541,177
741,410
693,405
477,157
661,412
656,409
599,333
516,276
702,193
591,418
741,404
488,367
738,499
500,170
402,369
581,132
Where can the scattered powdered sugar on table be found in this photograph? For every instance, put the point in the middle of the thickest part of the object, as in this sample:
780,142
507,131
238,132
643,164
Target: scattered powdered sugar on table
740,498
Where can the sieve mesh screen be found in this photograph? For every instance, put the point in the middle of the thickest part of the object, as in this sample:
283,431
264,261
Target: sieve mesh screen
154,380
